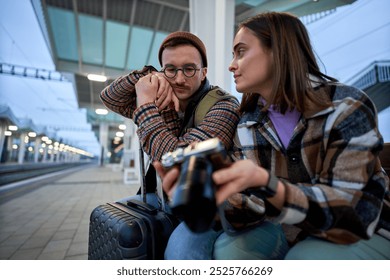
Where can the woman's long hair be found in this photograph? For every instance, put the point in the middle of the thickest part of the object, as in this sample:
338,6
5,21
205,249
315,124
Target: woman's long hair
295,65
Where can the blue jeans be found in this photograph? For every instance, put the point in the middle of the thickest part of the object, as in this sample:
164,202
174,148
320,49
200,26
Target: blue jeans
376,248
267,241
263,242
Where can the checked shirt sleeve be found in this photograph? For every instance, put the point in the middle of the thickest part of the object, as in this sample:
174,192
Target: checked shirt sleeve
158,132
120,96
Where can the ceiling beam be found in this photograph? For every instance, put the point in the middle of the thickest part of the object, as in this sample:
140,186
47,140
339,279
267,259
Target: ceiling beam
170,5
79,50
299,8
91,97
40,8
280,6
184,20
156,27
104,36
131,23
320,6
72,67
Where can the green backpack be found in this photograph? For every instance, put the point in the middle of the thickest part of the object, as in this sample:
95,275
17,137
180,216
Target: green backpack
212,97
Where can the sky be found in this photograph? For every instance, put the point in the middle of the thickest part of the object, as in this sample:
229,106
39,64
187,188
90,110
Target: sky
346,42
48,103
349,40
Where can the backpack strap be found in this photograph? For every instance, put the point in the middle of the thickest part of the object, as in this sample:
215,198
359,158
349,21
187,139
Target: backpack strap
207,102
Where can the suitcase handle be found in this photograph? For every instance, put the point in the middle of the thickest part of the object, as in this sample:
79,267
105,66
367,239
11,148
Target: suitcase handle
142,206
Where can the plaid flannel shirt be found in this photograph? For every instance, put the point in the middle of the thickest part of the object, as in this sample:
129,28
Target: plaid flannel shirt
335,186
160,131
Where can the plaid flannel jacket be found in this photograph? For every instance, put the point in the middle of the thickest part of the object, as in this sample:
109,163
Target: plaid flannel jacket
335,186
160,131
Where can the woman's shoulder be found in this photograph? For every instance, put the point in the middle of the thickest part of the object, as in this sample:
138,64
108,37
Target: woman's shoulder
343,93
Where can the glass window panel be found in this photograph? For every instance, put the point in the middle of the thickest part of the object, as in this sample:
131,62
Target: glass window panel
153,59
64,33
116,44
140,41
91,33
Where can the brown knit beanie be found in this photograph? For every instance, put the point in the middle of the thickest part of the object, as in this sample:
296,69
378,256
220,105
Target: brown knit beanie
181,38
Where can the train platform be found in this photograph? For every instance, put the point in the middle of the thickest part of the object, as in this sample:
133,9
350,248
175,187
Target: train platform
51,222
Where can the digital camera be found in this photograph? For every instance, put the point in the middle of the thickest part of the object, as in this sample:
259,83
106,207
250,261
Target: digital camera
194,197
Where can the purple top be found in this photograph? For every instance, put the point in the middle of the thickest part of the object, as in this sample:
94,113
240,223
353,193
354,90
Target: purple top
284,124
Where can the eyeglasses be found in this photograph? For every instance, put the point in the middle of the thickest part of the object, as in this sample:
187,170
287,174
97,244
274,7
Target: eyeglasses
188,71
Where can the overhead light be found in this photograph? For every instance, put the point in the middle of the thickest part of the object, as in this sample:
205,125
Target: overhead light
101,111
12,128
96,78
119,134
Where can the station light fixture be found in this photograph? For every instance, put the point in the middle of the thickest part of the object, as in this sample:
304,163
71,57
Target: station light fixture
12,128
101,111
119,134
96,78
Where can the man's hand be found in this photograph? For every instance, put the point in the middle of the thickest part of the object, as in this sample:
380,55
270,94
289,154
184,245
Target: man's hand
165,94
168,178
155,88
146,89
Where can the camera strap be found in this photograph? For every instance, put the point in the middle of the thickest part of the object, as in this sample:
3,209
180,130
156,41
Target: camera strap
241,219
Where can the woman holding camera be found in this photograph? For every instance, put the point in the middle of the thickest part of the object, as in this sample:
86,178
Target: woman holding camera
306,150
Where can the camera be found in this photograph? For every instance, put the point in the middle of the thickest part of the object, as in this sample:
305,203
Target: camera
194,197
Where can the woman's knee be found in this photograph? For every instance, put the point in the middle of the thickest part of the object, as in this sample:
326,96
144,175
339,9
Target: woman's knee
266,241
317,249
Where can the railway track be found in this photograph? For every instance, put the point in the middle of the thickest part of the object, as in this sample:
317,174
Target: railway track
16,180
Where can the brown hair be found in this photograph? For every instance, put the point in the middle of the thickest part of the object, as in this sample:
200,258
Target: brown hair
295,65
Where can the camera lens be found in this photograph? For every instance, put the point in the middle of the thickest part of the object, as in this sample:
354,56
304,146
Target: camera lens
194,198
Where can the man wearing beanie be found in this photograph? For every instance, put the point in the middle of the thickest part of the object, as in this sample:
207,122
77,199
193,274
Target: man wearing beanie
163,103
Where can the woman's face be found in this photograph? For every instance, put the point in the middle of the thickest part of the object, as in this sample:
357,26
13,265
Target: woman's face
252,64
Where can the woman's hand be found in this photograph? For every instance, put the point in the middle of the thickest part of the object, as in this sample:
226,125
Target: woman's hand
237,177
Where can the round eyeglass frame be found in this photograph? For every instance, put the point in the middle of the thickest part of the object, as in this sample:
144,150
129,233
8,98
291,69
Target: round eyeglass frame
182,70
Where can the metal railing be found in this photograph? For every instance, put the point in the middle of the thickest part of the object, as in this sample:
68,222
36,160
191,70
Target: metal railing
31,72
376,72
307,19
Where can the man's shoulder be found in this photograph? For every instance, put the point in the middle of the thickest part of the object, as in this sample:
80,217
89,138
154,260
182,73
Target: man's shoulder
217,93
213,96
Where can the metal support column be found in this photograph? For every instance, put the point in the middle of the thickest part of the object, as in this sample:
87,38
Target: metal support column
213,23
103,139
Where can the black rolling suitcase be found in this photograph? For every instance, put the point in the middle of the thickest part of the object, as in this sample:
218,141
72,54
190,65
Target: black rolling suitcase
131,230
